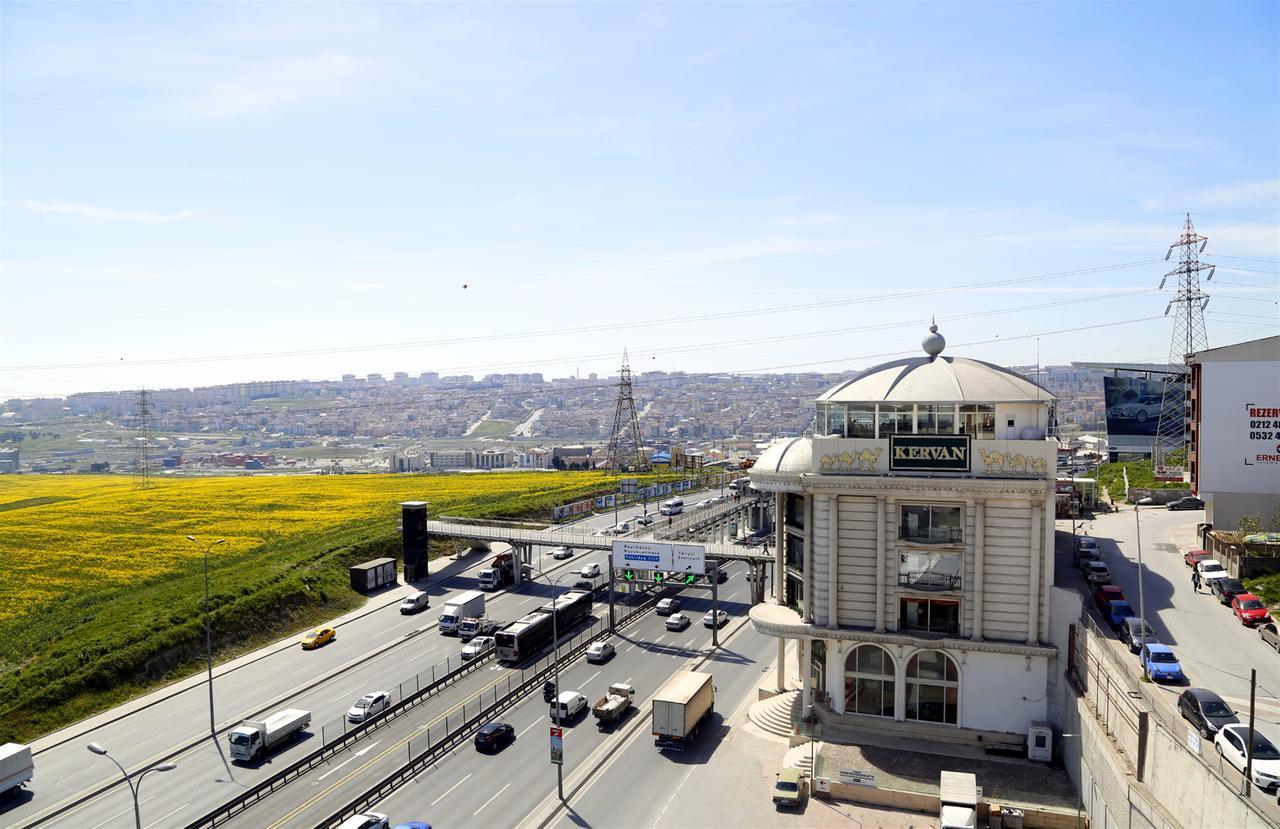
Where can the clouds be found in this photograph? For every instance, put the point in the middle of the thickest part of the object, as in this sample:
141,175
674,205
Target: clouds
111,214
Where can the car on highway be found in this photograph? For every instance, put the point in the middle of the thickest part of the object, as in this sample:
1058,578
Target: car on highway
367,820
1224,590
1134,632
600,652
570,705
477,648
1230,742
1160,663
318,637
1193,557
703,504
621,529
644,520
1205,710
1249,609
590,571
584,584
677,621
1270,635
1211,568
1189,502
788,787
667,606
413,824
415,602
1107,593
369,706
494,735
714,618
1116,611
1097,574
561,553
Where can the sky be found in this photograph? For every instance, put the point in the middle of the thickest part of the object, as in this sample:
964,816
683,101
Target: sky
202,193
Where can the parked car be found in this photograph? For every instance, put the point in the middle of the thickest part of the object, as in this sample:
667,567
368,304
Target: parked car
1107,593
1270,635
1224,590
667,606
590,571
600,652
318,637
1085,542
1160,663
561,553
1135,632
1211,568
1189,502
477,648
1097,574
677,621
715,619
1249,609
368,820
1230,743
493,736
788,788
1194,557
369,706
1205,710
1085,549
1116,611
415,602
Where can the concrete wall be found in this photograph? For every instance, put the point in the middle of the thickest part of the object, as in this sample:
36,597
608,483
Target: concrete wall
1002,692
1224,509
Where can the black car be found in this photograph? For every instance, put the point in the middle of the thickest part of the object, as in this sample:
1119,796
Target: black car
493,736
1224,590
548,691
1205,710
1189,502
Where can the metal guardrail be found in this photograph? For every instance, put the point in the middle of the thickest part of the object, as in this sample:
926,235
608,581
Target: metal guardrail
693,521
443,737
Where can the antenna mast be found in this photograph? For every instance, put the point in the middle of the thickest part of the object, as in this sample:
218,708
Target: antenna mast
626,450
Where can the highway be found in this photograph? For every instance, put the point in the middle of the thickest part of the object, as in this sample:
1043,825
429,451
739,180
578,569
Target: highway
325,681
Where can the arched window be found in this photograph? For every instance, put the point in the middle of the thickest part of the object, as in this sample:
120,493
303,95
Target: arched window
933,688
868,681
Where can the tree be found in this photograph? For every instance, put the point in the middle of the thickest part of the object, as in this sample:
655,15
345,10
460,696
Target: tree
1248,525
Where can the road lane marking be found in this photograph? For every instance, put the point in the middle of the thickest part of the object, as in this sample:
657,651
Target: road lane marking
522,733
166,817
118,814
490,800
424,653
673,795
627,681
451,788
362,752
593,676
347,694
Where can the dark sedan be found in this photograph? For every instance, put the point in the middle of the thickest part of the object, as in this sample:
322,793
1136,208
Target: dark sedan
1205,710
494,735
1189,502
1224,590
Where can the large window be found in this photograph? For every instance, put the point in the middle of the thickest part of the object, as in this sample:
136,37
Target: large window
931,524
831,419
933,688
794,594
868,681
818,666
795,552
795,511
895,419
936,616
926,570
978,420
862,420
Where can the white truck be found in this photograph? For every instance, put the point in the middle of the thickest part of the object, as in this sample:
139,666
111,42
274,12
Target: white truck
473,626
612,706
958,795
252,738
462,606
679,708
16,767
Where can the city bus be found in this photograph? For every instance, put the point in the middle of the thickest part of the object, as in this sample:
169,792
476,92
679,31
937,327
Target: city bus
531,633
673,507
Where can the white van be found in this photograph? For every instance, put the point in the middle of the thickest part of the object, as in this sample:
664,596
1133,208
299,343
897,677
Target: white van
570,703
673,507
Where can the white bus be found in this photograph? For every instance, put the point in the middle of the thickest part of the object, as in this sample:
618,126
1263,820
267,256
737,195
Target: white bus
673,507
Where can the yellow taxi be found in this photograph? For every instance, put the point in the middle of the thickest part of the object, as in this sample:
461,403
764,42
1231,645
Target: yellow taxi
318,637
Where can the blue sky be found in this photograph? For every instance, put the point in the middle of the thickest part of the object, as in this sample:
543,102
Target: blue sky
189,191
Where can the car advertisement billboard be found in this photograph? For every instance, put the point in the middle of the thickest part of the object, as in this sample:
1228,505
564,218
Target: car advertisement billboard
1133,405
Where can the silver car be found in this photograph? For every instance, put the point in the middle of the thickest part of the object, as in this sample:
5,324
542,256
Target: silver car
369,706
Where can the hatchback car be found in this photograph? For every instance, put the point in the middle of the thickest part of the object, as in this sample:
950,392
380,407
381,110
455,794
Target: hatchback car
477,648
677,621
1205,710
561,553
369,706
600,652
318,637
368,820
1224,590
1116,611
493,736
1097,574
715,619
1230,743
623,528
1189,502
1160,663
1249,609
590,571
1193,557
415,602
1134,632
667,606
1270,635
584,584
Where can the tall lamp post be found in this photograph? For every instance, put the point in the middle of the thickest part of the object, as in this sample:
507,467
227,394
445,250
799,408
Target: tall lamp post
208,645
134,784
1142,604
555,676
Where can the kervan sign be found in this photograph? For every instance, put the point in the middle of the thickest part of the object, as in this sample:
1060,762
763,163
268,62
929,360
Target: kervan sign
929,453
659,555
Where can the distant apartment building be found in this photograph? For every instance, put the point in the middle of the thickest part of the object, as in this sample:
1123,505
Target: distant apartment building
401,378
494,458
376,379
537,458
452,459
8,460
410,461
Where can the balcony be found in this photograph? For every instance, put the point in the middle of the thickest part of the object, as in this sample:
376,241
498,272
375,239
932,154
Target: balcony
929,571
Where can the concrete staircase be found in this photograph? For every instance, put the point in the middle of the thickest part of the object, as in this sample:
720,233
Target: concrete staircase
777,715
801,757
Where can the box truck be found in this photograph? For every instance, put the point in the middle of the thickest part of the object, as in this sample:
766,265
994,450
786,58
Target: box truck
253,738
462,606
679,708
958,796
16,767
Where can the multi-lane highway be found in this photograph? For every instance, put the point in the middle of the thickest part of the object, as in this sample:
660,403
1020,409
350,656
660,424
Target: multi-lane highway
376,651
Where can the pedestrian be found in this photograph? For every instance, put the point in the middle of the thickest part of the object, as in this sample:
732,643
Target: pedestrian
1195,579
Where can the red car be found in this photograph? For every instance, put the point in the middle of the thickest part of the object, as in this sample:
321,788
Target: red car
1194,557
1107,593
1249,609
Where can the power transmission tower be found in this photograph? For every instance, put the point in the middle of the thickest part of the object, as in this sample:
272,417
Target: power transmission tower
626,450
1188,337
142,442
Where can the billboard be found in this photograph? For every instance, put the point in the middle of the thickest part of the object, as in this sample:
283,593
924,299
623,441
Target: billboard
1133,405
660,555
1239,429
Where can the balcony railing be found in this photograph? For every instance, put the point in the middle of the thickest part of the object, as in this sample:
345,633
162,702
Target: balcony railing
928,580
932,535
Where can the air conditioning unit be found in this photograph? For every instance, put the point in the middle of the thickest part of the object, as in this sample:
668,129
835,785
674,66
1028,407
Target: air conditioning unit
1040,742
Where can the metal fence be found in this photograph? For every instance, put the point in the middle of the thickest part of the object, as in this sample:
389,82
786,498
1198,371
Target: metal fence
694,520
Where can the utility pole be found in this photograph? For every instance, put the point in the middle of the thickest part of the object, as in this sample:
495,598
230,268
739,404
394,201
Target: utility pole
626,449
1248,747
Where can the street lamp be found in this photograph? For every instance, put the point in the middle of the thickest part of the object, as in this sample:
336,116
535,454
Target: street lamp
555,676
208,645
1142,605
134,785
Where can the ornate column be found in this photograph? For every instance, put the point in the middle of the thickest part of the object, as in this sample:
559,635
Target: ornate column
780,537
979,546
833,557
1033,591
880,568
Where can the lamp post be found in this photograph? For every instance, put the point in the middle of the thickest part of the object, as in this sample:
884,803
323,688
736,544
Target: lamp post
1142,604
208,645
555,677
134,785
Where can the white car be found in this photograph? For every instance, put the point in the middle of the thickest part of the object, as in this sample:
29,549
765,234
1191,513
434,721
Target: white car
1229,743
477,648
600,652
667,606
1211,569
414,602
644,520
677,621
623,528
703,504
368,820
369,706
561,553
716,619
590,571
570,703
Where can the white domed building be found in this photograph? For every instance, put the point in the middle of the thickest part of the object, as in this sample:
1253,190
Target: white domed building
915,547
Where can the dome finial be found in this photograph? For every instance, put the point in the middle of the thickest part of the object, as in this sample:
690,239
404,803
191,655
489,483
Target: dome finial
935,342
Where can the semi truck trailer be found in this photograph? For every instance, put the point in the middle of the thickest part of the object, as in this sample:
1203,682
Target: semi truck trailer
679,708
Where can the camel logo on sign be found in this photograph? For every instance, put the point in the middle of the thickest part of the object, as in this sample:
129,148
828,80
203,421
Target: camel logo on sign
929,453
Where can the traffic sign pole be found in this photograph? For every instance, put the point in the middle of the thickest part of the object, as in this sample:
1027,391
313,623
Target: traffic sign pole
715,605
612,628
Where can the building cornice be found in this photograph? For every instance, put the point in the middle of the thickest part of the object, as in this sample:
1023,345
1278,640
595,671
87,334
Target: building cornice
812,483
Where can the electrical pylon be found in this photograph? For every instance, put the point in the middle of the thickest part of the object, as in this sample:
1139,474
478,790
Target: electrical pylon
626,450
1188,337
142,442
